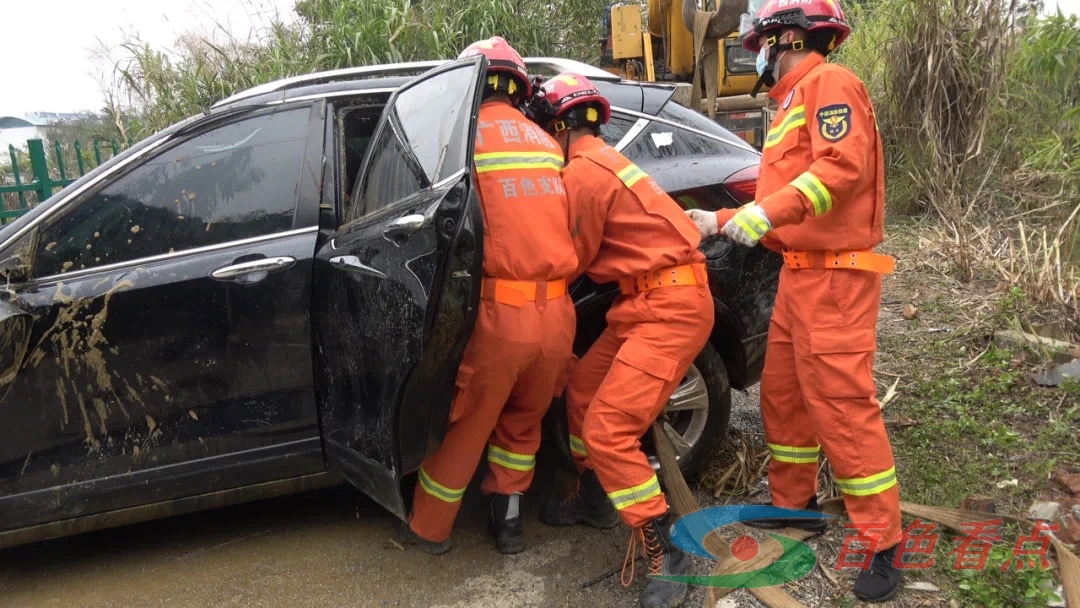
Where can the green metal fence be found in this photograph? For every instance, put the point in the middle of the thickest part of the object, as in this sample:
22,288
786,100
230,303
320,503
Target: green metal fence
46,179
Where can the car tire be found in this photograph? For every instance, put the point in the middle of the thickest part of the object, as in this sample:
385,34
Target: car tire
702,426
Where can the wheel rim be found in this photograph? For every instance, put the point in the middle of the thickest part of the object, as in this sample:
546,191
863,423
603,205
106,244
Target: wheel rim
686,414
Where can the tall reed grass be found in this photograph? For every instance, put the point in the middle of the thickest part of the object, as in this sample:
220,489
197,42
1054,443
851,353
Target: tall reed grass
160,87
978,108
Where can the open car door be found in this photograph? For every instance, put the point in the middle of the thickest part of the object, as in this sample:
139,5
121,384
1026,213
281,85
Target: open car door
397,286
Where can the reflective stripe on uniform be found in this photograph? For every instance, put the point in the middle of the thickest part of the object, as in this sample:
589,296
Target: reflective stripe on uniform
503,161
819,195
577,446
438,490
794,119
751,224
510,460
630,175
793,454
868,486
637,494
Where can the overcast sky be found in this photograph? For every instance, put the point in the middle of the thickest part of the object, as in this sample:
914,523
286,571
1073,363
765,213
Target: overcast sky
50,44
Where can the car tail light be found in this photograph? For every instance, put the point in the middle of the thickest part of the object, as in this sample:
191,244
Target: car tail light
742,184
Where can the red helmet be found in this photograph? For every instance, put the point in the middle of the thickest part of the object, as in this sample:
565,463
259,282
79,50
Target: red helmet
502,60
567,101
810,15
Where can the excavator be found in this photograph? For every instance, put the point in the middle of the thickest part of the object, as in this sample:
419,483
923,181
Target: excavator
681,41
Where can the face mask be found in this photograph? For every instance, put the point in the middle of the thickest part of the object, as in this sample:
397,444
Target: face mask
762,60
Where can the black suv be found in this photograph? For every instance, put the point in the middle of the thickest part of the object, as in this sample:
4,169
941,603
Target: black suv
278,291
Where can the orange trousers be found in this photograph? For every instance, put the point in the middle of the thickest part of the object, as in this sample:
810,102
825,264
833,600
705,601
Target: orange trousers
514,365
623,383
818,393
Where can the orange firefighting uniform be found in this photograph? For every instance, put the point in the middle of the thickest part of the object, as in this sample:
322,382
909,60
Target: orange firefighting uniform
822,185
627,229
516,356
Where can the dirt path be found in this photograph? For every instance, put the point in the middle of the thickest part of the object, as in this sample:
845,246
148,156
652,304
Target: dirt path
326,548
329,548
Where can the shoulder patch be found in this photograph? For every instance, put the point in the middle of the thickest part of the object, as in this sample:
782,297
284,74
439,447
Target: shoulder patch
834,122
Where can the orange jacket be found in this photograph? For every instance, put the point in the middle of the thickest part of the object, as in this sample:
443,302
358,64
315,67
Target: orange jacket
526,217
623,223
822,178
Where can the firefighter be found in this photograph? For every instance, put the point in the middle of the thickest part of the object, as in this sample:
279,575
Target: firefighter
626,230
516,357
820,201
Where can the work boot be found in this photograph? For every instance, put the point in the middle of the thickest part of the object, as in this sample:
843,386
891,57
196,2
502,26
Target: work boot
664,559
588,504
881,581
406,536
817,526
504,523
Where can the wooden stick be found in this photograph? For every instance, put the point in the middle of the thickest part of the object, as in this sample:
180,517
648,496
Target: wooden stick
1069,565
685,503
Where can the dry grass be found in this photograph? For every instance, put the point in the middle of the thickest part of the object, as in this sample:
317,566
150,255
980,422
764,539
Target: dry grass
973,99
947,71
743,463
740,466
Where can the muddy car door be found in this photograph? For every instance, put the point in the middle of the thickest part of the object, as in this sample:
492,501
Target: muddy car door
397,286
171,349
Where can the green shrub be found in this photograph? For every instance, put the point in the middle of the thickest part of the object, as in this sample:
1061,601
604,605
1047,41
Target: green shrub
332,34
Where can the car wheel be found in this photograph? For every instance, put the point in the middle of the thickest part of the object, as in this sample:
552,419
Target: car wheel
697,414
696,417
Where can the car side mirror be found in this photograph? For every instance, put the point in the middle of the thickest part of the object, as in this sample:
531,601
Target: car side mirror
14,269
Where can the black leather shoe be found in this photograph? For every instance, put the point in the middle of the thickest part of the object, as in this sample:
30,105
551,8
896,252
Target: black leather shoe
504,523
881,582
817,526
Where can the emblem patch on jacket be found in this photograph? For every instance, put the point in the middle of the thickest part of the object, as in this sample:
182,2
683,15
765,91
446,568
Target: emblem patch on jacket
834,121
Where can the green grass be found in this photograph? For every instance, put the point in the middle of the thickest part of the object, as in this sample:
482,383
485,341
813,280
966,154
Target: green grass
977,417
980,425
976,428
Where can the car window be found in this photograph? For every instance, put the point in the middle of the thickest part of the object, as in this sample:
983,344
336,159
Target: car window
423,139
616,128
661,140
685,116
236,181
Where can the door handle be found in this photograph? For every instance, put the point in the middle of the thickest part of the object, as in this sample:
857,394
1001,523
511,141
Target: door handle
351,263
244,269
406,224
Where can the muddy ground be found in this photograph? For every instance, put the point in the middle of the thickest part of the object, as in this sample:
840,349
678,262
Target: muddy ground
325,548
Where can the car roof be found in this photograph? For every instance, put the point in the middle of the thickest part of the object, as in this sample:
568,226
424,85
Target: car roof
388,77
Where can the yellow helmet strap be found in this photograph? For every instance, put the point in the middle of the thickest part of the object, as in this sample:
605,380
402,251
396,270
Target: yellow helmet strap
501,83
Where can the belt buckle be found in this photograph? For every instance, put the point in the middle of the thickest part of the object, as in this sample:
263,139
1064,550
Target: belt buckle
656,279
641,283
